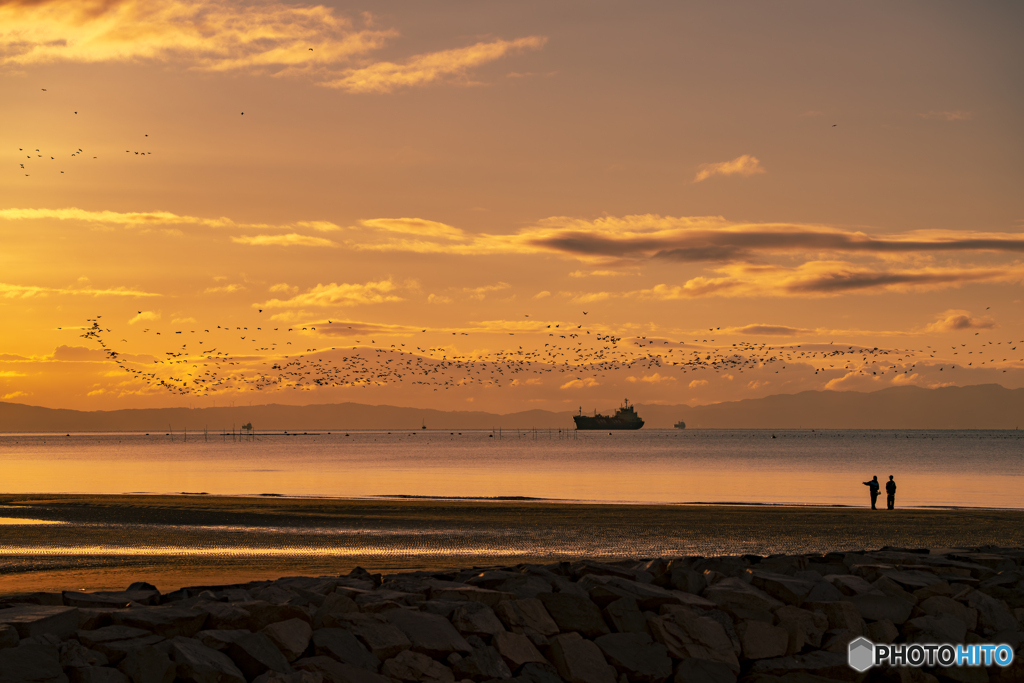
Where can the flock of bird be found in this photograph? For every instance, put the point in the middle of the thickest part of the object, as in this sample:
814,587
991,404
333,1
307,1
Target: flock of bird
231,359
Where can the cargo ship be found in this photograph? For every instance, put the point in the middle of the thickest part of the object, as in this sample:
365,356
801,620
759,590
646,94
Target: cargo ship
624,418
680,425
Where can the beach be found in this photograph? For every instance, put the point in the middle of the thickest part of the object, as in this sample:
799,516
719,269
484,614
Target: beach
106,542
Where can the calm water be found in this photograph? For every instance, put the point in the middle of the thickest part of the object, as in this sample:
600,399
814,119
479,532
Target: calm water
968,468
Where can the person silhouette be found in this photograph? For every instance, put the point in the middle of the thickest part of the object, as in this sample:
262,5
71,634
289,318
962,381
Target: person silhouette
890,490
873,486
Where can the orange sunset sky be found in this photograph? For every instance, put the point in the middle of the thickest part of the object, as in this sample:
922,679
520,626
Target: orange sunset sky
734,192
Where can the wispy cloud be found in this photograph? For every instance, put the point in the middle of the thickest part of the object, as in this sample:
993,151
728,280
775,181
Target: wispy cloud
445,66
414,226
9,291
947,115
480,293
144,316
290,240
744,165
339,295
955,320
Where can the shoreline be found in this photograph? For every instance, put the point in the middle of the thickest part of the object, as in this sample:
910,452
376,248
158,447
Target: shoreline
103,539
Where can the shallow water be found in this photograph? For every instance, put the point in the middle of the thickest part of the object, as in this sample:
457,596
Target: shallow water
941,468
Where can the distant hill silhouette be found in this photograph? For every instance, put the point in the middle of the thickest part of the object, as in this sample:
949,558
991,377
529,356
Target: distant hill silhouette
985,406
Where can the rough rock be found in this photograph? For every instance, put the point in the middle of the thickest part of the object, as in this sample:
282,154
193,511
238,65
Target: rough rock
574,613
168,622
692,635
255,653
831,665
293,677
335,603
95,674
939,628
264,614
882,632
221,616
762,641
380,638
841,615
199,664
73,653
625,616
516,649
637,656
993,615
472,593
526,616
790,590
737,592
291,637
412,666
220,639
848,584
34,620
877,606
430,634
8,636
580,661
476,618
483,665
804,627
333,671
109,634
148,665
538,672
31,664
345,647
694,670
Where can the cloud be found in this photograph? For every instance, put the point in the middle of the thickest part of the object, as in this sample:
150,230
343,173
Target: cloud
745,165
657,378
480,293
12,373
224,289
580,383
339,295
601,273
414,226
9,291
289,240
283,288
698,383
542,294
446,65
79,354
438,299
769,330
947,115
955,320
209,35
825,278
179,321
143,316
352,328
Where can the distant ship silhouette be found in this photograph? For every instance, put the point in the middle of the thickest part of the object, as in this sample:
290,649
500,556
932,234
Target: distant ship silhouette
624,418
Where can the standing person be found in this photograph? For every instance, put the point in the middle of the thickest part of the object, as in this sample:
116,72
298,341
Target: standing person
873,486
890,490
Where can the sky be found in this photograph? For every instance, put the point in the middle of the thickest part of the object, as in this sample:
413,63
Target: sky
721,201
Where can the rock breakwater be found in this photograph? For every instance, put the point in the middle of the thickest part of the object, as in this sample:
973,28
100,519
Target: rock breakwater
691,619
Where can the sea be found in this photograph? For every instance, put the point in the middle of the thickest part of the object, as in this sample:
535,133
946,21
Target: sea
944,469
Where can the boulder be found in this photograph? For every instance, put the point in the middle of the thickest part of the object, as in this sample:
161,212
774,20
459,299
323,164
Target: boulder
538,672
939,628
822,591
516,649
335,603
222,616
30,663
696,636
737,592
33,620
788,589
333,671
380,638
263,614
73,653
637,656
8,636
461,592
293,677
476,618
484,664
220,639
147,665
95,674
109,634
168,622
911,579
883,632
889,587
430,634
412,667
993,615
255,653
523,586
841,614
803,627
606,589
940,604
291,637
625,616
197,663
580,661
830,665
574,613
345,647
762,641
875,606
117,650
848,584
527,615
692,670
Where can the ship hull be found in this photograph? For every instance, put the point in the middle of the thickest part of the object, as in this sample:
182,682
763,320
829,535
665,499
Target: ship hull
602,422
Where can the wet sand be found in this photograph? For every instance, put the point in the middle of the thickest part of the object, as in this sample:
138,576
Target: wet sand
102,542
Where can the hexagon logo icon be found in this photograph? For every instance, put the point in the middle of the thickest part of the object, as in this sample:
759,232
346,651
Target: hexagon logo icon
861,654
